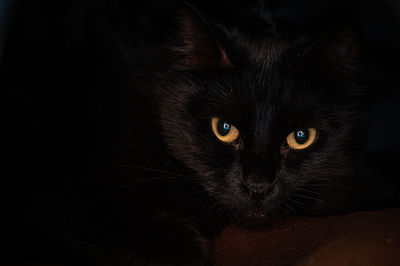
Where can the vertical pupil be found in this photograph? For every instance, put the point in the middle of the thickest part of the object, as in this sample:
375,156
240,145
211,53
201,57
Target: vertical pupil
223,128
301,136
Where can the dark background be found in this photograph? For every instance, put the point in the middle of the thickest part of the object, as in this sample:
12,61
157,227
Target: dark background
58,57
34,26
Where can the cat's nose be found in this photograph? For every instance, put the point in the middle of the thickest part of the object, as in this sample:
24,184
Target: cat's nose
257,192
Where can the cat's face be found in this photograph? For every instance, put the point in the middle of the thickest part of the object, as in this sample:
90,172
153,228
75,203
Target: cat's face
275,130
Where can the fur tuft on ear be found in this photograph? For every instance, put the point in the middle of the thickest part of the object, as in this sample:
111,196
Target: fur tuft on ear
197,45
339,44
347,44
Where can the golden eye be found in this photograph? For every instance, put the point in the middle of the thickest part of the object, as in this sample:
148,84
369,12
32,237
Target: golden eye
223,130
301,138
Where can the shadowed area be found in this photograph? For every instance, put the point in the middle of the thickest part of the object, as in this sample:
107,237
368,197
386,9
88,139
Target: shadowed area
365,238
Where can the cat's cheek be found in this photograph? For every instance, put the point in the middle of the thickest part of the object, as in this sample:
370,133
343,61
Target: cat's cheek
227,189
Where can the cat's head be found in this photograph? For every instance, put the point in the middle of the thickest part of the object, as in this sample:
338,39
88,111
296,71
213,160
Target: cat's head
268,126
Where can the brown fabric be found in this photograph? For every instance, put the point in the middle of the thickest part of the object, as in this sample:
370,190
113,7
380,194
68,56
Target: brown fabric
366,238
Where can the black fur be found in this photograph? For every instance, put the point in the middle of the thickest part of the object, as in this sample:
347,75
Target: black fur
150,183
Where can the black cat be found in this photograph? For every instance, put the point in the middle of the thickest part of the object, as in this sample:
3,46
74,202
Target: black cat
234,130
211,129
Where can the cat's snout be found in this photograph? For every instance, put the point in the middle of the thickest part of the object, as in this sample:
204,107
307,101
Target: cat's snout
257,191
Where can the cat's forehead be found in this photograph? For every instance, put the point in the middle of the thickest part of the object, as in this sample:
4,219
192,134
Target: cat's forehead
271,52
266,52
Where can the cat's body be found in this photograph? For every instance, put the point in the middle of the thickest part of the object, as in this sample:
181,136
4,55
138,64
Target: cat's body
160,182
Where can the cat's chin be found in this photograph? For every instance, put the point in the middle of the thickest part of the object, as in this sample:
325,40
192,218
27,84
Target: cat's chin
255,219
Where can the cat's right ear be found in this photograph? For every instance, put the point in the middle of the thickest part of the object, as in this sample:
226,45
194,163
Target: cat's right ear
338,44
197,44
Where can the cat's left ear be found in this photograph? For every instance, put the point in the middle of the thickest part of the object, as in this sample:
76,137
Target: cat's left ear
197,44
341,44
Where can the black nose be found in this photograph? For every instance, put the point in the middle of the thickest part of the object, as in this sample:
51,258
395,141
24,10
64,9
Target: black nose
257,191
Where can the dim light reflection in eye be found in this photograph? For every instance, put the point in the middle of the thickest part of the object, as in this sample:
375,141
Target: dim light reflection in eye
301,138
224,130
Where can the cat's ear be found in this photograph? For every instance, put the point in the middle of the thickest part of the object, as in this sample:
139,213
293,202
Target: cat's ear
197,44
338,44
